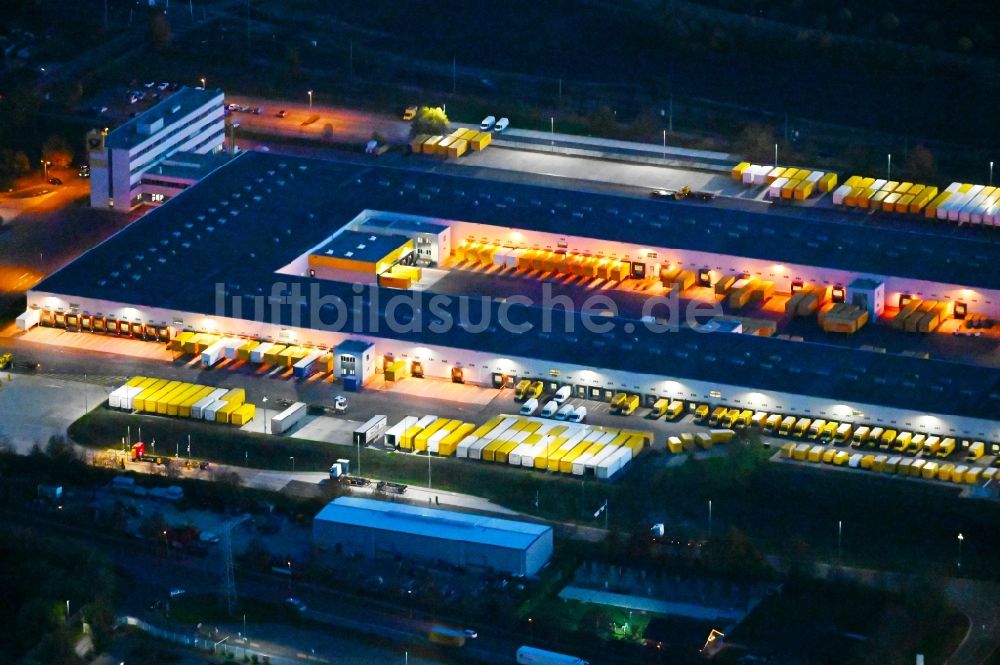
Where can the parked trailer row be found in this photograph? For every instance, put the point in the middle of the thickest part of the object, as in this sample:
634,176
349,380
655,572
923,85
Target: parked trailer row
784,182
546,261
922,316
563,447
453,145
184,400
926,469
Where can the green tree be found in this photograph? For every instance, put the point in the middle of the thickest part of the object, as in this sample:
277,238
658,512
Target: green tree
756,143
57,150
159,31
13,165
430,120
919,164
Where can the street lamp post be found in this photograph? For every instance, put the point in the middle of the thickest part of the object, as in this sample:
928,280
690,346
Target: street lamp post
45,168
293,464
775,155
664,144
266,428
202,82
991,174
840,533
552,130
310,93
709,517
960,539
888,167
67,611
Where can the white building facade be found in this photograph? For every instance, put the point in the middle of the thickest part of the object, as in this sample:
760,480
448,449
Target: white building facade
191,120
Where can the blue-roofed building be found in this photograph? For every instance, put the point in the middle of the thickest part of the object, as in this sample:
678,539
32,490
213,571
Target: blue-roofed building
371,528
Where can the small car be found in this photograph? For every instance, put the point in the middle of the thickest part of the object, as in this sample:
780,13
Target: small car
163,86
409,113
487,123
174,593
295,604
470,633
281,114
502,124
55,181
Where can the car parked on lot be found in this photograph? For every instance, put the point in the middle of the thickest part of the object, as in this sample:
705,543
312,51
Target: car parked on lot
502,124
295,604
281,114
487,123
163,86
55,181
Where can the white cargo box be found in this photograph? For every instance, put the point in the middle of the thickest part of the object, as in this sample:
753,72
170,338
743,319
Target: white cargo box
463,446
394,434
198,410
287,419
840,193
774,189
258,352
28,319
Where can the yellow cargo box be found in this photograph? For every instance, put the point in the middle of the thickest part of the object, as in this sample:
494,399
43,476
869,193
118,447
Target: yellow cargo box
890,186
244,414
853,181
271,357
867,461
851,199
788,450
840,459
674,445
903,203
163,403
790,173
406,441
866,183
944,471
930,470
687,440
827,183
566,463
703,440
178,398
237,395
737,172
721,435
481,140
804,190
801,452
931,210
417,143
184,411
788,191
152,403
177,343
243,353
889,202
458,148
224,415
815,454
903,188
429,147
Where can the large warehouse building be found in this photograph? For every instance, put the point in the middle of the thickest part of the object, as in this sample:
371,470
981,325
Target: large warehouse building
229,255
382,529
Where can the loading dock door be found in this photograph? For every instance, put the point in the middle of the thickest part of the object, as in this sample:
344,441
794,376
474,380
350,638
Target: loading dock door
580,391
457,375
503,380
417,369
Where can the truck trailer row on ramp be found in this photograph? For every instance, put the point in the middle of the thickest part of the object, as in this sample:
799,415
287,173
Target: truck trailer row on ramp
536,443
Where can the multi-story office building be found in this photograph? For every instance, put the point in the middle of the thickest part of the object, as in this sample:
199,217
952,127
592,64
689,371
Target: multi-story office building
189,121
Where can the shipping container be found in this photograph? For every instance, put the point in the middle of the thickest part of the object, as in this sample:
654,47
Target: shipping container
198,409
738,171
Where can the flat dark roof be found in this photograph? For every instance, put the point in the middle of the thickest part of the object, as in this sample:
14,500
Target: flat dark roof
261,211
